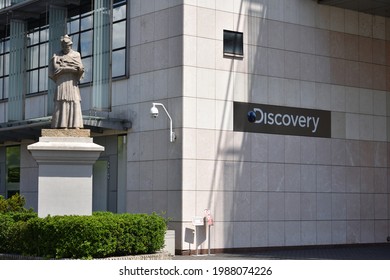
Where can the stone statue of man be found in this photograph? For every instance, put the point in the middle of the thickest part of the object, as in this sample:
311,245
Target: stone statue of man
66,69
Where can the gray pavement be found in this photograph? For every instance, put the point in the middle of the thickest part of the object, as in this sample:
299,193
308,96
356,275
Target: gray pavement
353,252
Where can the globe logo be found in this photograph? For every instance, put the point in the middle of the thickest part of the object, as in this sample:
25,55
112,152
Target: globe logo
251,116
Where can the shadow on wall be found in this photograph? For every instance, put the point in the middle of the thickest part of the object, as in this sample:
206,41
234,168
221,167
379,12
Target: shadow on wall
226,203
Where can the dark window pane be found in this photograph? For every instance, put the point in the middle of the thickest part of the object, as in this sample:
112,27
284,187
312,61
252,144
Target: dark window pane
233,43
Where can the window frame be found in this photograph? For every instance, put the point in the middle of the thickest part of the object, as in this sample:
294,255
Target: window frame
234,38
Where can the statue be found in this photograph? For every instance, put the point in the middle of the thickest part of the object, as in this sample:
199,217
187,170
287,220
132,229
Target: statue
66,70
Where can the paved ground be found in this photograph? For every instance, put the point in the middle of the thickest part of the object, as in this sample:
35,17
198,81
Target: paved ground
363,252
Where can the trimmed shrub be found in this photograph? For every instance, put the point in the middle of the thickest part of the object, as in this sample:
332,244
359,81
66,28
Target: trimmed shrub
13,204
13,215
101,235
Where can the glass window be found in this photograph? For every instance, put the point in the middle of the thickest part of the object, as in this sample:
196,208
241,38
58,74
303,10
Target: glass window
119,63
44,35
119,35
73,26
1,65
33,57
233,43
87,62
86,43
6,63
1,88
43,79
6,46
119,13
37,50
33,78
33,38
43,55
86,23
4,67
6,87
12,169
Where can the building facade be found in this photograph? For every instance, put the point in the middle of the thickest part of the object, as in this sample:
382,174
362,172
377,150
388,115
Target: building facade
279,107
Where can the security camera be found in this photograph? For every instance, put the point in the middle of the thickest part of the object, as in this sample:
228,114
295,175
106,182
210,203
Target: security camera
154,112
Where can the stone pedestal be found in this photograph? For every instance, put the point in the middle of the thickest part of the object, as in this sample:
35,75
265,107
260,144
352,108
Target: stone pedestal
65,159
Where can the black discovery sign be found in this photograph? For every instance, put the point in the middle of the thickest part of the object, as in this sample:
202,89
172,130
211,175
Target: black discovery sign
259,118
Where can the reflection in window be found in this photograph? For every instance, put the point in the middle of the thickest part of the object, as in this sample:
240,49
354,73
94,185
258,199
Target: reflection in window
33,57
6,63
33,78
119,35
1,87
43,79
119,39
87,63
43,56
12,169
119,13
6,86
37,59
118,63
86,43
4,69
73,26
86,23
233,43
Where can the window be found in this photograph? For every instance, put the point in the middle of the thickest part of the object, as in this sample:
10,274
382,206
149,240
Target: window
4,68
119,39
80,29
37,59
233,43
12,170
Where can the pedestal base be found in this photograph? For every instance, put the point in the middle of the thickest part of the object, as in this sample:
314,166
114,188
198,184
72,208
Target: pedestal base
65,172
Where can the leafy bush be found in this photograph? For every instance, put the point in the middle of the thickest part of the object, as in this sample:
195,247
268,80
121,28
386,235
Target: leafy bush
13,204
101,235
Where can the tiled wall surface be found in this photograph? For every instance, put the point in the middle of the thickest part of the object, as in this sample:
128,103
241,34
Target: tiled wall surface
263,190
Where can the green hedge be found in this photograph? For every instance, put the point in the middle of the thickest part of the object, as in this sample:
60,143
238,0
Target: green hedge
101,235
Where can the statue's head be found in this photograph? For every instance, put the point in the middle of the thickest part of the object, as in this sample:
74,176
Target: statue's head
66,44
